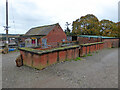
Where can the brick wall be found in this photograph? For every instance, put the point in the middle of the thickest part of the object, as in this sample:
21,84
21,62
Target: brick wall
90,48
55,35
41,59
83,40
108,43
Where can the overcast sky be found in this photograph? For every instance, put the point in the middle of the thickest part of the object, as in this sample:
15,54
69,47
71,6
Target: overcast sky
25,14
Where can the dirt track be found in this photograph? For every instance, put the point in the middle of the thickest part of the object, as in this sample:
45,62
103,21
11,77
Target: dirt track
97,71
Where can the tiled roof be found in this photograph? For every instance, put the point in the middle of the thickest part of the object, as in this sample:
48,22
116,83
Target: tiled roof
42,30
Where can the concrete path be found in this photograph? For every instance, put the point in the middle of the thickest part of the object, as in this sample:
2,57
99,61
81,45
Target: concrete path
97,71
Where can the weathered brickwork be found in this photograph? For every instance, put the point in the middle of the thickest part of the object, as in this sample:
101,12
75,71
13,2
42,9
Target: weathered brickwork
54,36
41,60
108,43
52,58
62,55
83,40
86,49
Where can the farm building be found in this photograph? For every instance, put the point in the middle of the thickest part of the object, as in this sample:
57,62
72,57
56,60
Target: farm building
44,36
108,41
37,58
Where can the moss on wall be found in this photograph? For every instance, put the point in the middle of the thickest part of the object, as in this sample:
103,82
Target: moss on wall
88,44
56,49
47,51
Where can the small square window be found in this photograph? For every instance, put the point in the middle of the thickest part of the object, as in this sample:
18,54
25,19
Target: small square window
63,40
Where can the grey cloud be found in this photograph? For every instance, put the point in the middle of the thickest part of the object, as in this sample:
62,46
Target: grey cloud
119,11
26,16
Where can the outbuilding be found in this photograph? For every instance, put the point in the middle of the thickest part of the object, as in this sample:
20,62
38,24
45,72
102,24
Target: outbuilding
108,41
44,36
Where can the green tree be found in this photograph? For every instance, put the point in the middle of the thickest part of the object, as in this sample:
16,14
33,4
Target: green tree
86,25
90,25
108,28
118,29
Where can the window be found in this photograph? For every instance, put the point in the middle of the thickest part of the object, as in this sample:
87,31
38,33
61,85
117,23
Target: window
63,40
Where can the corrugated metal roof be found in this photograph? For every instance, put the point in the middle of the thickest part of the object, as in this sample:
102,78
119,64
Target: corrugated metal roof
42,30
107,37
92,36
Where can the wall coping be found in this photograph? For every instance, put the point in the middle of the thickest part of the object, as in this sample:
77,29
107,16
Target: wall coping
47,51
39,52
89,44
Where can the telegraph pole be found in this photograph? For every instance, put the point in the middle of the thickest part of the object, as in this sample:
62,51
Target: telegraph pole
6,28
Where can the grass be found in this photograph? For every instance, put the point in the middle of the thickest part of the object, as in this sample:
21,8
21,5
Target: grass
78,58
97,52
109,47
84,56
113,47
67,60
89,54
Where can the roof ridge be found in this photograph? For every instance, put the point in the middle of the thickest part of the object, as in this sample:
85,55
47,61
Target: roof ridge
43,30
44,26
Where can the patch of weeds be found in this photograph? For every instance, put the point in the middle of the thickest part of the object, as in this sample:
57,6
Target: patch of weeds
97,52
113,47
84,56
70,60
78,58
89,54
67,60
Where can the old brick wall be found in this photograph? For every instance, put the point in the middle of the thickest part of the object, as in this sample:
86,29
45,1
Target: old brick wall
41,61
90,48
83,40
109,43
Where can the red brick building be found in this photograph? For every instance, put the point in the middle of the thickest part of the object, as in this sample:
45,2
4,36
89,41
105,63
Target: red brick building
108,41
44,36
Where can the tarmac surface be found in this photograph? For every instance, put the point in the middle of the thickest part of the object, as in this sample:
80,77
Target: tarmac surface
97,71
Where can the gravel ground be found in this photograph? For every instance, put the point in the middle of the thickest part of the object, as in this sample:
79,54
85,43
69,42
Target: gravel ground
97,71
